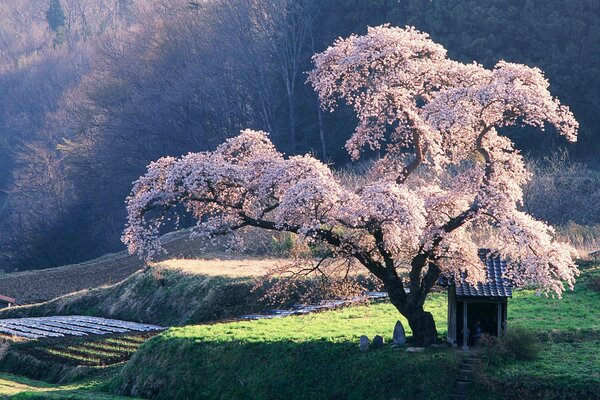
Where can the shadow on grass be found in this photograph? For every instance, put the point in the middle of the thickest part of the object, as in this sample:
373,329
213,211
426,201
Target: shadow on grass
319,369
63,394
565,369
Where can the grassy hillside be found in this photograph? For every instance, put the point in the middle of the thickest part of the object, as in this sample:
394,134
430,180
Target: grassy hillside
307,357
42,285
16,387
317,357
568,366
176,292
37,286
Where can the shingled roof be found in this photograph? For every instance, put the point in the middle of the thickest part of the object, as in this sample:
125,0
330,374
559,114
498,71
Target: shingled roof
7,299
495,284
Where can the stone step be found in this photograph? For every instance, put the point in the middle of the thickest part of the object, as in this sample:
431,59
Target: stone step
465,376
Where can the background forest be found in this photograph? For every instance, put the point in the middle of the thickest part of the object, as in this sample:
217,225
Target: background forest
92,91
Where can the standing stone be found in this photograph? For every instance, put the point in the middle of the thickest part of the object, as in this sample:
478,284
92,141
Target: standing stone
364,343
399,338
378,342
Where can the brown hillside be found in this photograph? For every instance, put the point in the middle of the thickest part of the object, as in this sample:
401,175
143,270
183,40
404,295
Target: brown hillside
37,286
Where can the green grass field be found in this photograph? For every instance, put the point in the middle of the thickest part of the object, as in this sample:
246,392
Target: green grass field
316,356
568,366
15,387
306,357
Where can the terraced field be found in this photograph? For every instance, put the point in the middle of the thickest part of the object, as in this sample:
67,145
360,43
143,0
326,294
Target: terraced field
66,349
71,325
93,352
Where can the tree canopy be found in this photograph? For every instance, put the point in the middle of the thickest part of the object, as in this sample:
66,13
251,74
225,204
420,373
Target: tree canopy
55,15
136,80
446,173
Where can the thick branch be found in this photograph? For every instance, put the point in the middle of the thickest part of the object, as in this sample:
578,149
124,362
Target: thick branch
429,280
414,164
420,286
329,237
391,277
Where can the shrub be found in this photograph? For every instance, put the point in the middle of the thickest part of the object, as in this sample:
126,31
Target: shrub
493,349
521,344
594,283
282,245
516,344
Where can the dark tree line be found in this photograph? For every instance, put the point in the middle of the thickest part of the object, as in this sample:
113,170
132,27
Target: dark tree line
94,90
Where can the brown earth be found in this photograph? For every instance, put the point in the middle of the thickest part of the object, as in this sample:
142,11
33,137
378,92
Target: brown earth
36,286
45,284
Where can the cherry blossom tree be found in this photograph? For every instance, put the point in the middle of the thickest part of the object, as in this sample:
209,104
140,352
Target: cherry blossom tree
446,173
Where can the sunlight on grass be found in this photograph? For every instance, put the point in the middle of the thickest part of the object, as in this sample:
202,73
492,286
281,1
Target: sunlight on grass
10,385
346,324
224,267
298,357
577,310
22,388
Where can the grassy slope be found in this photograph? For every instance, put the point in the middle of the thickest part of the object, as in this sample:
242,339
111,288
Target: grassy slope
317,357
569,364
70,359
307,357
562,371
36,286
15,387
164,295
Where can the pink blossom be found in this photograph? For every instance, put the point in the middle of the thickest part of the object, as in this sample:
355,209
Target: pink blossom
446,174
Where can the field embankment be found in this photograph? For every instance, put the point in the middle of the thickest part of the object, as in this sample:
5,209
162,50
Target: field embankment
314,356
175,292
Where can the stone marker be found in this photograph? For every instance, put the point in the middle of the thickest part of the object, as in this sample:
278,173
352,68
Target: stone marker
378,342
399,338
364,343
415,349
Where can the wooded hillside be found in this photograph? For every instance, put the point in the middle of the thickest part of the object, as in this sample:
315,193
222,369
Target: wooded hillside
92,91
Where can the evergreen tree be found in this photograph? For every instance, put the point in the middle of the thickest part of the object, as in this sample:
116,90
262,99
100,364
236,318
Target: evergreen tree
55,15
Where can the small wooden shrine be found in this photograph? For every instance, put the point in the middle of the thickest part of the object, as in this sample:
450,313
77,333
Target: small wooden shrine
6,301
478,309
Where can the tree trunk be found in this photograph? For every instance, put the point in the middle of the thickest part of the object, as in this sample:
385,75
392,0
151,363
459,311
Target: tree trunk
423,327
411,307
